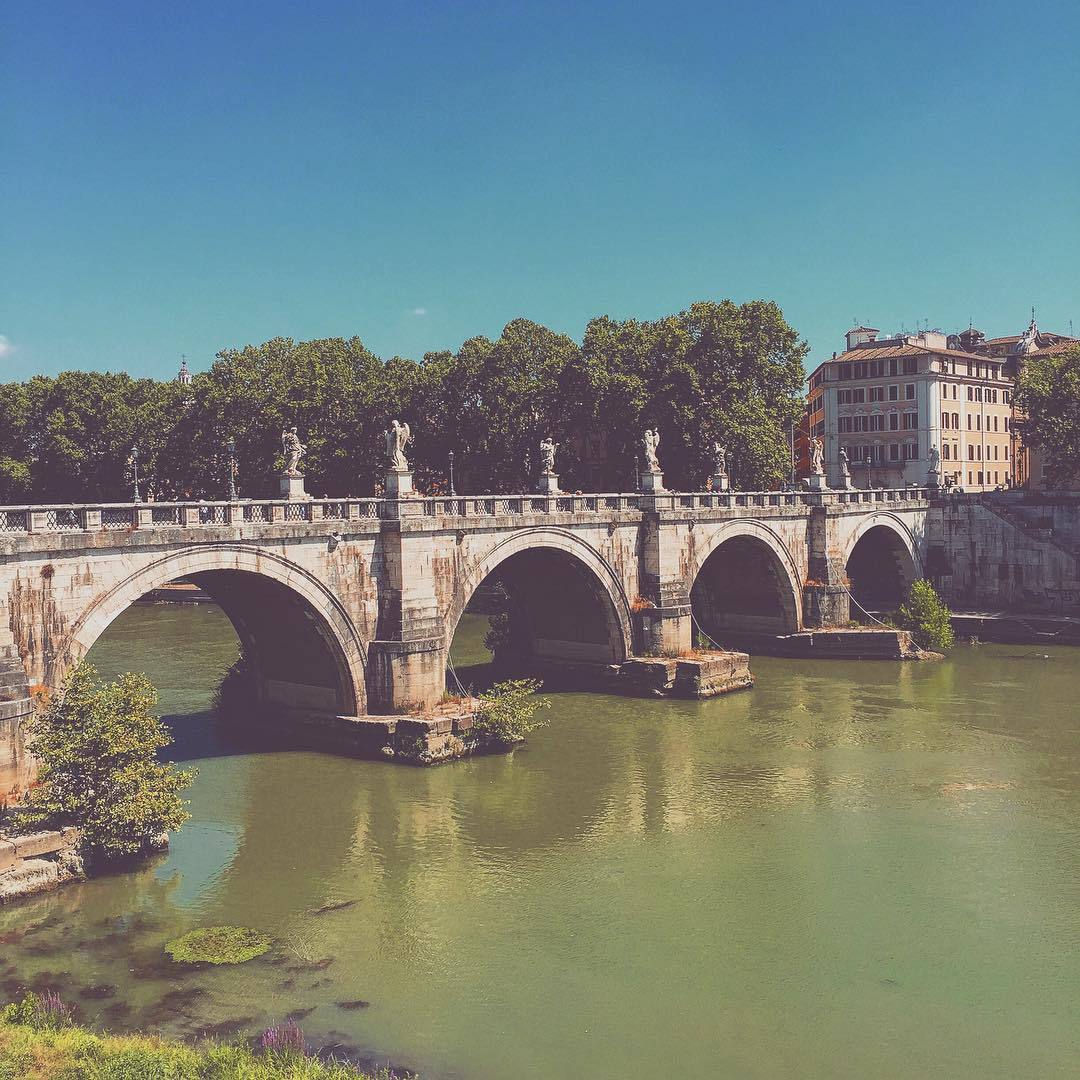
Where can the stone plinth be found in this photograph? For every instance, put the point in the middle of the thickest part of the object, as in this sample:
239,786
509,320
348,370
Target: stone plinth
292,487
398,484
712,674
720,482
548,484
933,478
652,482
817,482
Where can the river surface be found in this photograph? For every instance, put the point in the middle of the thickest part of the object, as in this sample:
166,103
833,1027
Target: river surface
852,870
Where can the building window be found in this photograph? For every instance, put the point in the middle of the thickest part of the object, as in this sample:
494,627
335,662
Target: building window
877,393
971,393
894,392
911,421
892,366
877,369
911,451
971,454
911,365
945,451
845,371
969,421
894,451
860,370
956,420
909,391
858,396
944,419
894,421
1006,458
978,422
1006,423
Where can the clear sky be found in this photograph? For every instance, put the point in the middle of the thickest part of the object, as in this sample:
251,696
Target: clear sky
178,178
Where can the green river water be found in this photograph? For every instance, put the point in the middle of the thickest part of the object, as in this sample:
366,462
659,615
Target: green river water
852,870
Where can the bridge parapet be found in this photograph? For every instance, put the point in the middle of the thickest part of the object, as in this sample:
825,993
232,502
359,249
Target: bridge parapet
86,517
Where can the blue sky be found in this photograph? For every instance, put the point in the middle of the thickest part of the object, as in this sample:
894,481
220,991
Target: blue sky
181,178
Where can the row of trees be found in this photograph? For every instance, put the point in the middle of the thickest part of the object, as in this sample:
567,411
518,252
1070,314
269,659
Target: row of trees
715,371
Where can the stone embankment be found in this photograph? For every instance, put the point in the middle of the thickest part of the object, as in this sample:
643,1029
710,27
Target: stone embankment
34,862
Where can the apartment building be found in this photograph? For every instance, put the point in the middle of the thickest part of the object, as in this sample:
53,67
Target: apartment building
887,401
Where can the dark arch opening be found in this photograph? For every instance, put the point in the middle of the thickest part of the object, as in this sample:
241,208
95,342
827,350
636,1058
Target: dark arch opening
539,612
742,594
880,569
291,656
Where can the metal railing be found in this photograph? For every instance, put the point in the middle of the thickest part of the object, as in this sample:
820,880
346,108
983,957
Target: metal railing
185,515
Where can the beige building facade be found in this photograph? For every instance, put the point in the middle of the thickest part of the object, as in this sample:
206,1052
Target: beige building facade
888,403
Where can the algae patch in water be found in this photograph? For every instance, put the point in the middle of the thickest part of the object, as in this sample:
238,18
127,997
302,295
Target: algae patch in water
218,945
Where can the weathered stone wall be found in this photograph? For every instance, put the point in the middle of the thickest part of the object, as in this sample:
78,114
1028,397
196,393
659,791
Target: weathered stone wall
990,560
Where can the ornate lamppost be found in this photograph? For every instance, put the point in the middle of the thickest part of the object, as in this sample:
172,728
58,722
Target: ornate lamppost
450,455
230,449
869,465
133,463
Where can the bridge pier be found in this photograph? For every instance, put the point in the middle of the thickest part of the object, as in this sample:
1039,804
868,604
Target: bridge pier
665,624
407,659
826,600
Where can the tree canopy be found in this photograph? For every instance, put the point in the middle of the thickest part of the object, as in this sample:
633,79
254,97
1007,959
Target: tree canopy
1048,396
717,371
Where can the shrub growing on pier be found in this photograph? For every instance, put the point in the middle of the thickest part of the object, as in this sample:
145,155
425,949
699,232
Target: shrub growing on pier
927,617
508,711
96,745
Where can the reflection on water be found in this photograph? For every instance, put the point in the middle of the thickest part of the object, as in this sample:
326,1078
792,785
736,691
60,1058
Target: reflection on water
853,870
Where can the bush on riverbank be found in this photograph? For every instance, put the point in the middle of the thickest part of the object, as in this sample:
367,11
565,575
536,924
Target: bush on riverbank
34,1046
96,744
927,617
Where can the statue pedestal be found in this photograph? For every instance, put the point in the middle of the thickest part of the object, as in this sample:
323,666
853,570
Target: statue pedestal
845,482
720,482
652,482
548,484
398,484
292,487
817,482
933,477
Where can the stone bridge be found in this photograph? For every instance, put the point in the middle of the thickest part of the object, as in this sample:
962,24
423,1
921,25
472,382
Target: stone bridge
349,606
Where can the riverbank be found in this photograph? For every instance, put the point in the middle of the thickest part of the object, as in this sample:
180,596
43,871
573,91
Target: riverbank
76,1053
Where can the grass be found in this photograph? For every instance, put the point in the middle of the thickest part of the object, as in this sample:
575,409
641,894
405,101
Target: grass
74,1053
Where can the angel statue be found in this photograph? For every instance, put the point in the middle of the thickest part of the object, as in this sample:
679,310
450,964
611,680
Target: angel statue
845,462
720,454
397,438
817,465
935,458
547,456
292,449
650,440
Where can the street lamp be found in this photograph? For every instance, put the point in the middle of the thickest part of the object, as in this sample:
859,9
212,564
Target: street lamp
869,463
133,461
230,449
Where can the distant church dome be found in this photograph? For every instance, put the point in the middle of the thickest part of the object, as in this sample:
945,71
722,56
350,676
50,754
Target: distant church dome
184,376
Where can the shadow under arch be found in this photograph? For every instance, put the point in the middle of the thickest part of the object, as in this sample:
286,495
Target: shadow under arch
881,563
303,648
745,586
563,603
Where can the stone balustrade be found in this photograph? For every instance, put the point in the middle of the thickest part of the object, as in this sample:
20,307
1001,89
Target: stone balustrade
126,516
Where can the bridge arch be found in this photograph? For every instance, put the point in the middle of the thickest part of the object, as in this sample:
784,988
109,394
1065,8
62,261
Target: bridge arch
304,648
572,606
881,561
744,582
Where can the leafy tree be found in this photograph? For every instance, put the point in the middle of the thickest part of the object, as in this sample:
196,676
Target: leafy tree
96,745
1048,394
926,615
718,371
